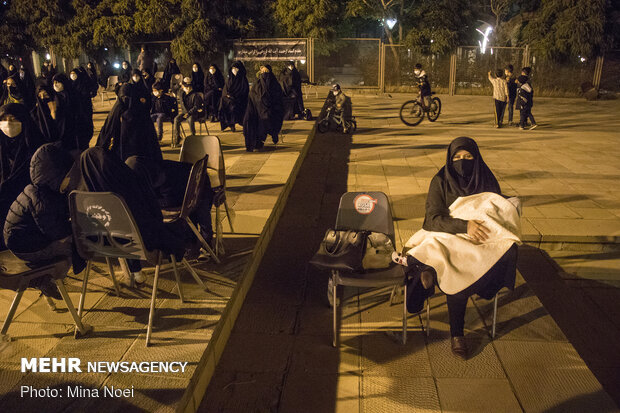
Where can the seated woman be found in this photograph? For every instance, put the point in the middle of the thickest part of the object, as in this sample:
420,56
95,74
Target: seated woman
214,83
37,227
19,139
467,244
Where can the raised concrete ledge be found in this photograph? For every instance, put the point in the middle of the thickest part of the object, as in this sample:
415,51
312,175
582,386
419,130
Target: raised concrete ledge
570,234
206,366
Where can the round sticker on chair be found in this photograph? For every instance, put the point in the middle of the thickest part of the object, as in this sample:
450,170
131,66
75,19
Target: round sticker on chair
364,204
100,214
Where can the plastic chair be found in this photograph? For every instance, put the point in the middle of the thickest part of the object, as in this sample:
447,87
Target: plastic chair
195,147
112,81
16,275
369,211
103,226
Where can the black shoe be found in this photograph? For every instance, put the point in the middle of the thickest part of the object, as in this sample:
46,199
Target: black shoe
233,129
459,347
49,289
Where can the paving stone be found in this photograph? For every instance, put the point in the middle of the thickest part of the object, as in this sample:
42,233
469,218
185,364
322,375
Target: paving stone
308,349
399,394
231,392
464,395
385,357
551,377
329,393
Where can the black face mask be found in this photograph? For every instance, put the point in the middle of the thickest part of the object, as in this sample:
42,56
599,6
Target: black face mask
464,167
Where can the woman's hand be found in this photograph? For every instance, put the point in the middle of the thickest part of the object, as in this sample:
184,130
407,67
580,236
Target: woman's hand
477,231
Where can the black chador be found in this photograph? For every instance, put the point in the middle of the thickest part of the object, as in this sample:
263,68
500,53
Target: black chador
265,111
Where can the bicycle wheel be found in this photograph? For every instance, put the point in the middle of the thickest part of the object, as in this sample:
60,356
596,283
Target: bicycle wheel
411,113
323,125
434,110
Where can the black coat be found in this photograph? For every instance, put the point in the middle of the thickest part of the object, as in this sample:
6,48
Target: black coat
165,104
69,117
198,79
171,69
265,111
291,84
234,97
214,84
193,103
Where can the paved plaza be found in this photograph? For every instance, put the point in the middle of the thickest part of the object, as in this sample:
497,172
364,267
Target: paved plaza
264,320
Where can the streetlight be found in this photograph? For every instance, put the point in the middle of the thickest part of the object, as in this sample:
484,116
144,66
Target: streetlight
485,30
390,23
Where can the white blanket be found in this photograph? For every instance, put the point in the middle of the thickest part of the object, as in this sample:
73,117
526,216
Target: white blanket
458,259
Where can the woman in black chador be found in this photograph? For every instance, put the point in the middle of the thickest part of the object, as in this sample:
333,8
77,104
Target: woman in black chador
234,97
83,89
265,111
124,76
214,83
291,83
171,69
465,173
43,111
67,114
128,129
19,139
198,78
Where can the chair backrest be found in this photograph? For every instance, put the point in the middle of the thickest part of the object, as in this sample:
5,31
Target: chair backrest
159,75
196,147
103,226
195,186
365,211
112,81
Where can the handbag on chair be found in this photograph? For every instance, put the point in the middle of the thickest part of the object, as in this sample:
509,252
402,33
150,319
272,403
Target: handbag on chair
341,250
378,252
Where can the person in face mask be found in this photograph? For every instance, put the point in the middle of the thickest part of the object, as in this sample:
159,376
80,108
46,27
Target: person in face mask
465,173
193,110
423,84
214,83
69,116
44,112
12,91
171,69
234,97
83,112
19,139
291,83
125,72
198,78
163,108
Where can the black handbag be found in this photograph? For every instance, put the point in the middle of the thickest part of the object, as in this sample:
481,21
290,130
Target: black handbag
341,250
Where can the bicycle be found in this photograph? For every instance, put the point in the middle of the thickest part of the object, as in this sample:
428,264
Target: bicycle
331,115
412,112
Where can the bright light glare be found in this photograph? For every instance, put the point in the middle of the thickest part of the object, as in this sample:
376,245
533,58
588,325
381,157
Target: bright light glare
116,65
105,48
485,38
47,56
391,23
302,61
582,59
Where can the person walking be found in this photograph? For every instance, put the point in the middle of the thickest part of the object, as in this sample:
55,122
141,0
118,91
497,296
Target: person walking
500,95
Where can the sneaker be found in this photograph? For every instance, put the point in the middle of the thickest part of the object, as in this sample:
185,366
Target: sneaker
138,277
398,258
534,126
496,126
521,128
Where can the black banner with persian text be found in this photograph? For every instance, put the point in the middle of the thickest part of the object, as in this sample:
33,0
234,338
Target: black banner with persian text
270,49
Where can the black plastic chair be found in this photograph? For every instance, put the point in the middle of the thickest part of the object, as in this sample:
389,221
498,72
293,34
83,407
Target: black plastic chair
104,227
16,275
369,211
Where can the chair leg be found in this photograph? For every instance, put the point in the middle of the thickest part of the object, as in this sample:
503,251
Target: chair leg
194,274
83,329
128,274
204,243
111,268
176,276
153,298
494,317
228,215
428,317
405,314
83,295
13,309
335,312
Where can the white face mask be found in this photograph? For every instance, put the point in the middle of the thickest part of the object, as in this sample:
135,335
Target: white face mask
291,67
11,128
136,78
73,76
234,71
156,93
22,75
212,71
58,87
195,69
124,66
417,72
336,92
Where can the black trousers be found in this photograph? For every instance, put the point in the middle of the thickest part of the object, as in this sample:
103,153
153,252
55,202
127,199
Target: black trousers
511,108
502,274
500,108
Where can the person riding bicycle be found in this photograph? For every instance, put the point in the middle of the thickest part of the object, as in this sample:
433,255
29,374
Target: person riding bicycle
340,102
423,84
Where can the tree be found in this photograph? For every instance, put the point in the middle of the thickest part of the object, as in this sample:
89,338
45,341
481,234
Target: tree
310,18
568,28
500,9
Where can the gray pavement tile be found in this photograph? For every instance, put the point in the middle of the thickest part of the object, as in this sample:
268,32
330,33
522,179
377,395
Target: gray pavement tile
271,317
256,352
321,393
231,392
551,377
464,395
382,356
399,394
315,355
31,338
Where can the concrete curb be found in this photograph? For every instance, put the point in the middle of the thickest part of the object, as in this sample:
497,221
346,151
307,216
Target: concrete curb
206,366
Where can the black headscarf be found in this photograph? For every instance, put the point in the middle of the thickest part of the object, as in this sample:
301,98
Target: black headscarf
214,81
10,94
68,112
236,86
41,113
198,78
171,69
480,179
125,74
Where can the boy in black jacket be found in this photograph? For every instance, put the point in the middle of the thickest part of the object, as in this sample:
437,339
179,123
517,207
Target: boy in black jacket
193,110
525,101
163,107
512,91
